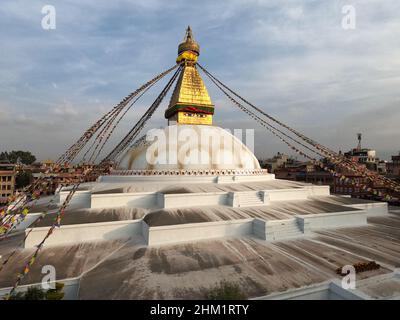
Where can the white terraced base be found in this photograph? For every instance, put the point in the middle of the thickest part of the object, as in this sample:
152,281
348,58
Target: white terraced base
270,210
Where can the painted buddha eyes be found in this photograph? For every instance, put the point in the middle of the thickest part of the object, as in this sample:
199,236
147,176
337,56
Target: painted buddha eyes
197,115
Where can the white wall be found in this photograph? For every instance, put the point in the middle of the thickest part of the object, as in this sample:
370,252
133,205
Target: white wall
195,199
285,194
266,177
154,200
373,209
139,200
187,179
328,290
295,194
81,199
318,190
70,234
158,178
199,231
332,220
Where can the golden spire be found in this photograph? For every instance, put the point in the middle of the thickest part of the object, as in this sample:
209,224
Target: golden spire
189,49
190,102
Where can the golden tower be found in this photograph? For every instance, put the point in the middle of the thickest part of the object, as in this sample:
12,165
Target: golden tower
190,102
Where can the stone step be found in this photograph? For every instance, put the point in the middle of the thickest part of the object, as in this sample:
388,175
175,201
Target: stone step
250,199
284,230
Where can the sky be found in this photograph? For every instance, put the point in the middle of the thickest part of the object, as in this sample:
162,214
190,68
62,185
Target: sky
293,59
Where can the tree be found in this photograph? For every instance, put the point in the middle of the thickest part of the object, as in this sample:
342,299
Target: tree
35,293
23,179
26,157
57,293
226,291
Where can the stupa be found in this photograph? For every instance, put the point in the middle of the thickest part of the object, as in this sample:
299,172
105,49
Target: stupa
190,144
189,206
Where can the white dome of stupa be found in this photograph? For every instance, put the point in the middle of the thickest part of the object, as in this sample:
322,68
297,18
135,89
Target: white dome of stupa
189,147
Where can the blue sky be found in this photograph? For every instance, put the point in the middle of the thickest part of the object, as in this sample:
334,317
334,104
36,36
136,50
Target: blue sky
291,58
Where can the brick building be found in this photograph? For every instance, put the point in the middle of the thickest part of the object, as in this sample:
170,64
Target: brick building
7,181
67,175
305,172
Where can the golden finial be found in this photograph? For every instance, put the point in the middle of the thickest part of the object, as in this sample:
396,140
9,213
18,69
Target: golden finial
188,35
189,49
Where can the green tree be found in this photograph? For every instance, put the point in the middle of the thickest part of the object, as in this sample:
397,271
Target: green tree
226,291
57,293
23,179
35,293
26,157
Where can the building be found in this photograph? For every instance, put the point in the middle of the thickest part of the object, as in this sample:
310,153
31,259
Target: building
343,187
48,164
308,172
352,186
63,176
178,216
393,167
276,162
362,156
304,171
7,181
366,157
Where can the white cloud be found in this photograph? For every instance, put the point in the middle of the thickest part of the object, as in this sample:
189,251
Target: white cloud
65,111
295,13
291,57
